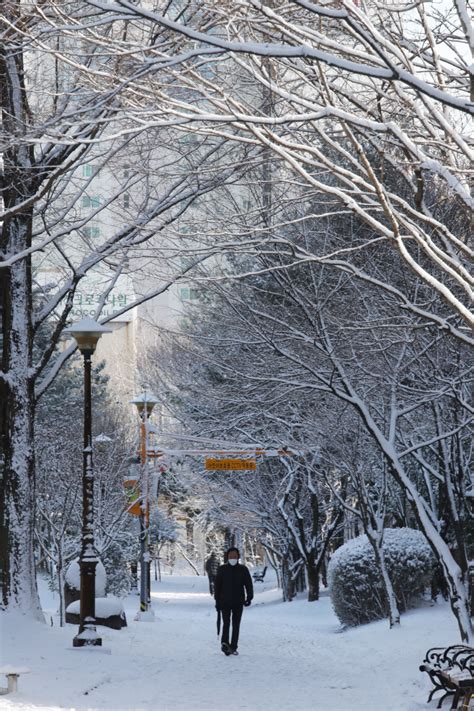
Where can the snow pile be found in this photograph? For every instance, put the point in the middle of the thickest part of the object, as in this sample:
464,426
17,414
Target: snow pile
104,607
73,577
355,581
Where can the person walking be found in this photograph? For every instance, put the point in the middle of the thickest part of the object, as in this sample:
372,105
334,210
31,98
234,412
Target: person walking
233,590
211,567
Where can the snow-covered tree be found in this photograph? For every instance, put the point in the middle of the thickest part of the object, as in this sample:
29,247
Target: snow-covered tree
65,134
367,106
368,499
354,92
162,531
307,339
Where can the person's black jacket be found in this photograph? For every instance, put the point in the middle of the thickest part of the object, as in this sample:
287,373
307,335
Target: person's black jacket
212,566
232,586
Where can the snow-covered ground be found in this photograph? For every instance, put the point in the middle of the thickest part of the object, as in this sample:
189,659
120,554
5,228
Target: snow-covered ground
293,657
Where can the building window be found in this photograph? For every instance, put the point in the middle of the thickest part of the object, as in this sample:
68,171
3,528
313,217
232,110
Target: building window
185,230
91,201
126,200
188,138
87,170
188,293
186,262
92,231
126,171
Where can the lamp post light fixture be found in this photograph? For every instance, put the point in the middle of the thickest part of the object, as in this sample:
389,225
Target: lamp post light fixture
144,404
86,334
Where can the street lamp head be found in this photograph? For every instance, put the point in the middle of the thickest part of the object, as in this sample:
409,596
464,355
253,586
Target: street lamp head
102,438
87,332
101,441
145,403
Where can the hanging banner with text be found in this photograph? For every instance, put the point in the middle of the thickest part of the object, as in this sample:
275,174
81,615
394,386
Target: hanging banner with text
231,464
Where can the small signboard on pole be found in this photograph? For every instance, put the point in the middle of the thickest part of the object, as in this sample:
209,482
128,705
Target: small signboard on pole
227,465
132,493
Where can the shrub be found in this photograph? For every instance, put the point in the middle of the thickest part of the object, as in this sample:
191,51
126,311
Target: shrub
355,581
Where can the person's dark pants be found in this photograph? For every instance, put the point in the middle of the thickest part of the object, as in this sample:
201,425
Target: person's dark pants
236,613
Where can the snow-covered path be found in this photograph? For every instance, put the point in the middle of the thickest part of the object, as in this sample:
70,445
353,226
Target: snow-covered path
293,657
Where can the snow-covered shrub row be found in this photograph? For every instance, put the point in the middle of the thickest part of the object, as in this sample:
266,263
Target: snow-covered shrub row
355,581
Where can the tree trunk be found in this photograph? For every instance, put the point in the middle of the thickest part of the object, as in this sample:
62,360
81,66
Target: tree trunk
17,497
456,579
324,571
458,595
17,489
189,536
60,577
134,575
229,538
393,611
301,581
312,572
287,582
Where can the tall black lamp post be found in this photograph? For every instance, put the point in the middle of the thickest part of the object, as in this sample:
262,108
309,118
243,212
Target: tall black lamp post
87,333
144,404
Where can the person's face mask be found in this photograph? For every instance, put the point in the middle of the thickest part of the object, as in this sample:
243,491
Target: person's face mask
233,561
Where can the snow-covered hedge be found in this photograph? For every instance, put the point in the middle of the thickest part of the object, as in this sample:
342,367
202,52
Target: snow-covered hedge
104,607
355,582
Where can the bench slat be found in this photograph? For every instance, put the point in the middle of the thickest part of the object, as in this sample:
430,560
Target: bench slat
451,671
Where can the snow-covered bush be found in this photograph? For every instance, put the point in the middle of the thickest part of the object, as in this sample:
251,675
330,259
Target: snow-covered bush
355,582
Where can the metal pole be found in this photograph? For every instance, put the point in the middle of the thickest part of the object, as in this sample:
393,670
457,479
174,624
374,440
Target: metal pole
87,635
147,512
143,576
148,576
144,521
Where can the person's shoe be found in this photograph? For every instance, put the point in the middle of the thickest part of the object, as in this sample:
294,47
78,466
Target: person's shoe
226,649
234,651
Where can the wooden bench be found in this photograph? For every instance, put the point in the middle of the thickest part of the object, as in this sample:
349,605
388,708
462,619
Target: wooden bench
451,669
12,674
259,575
